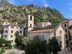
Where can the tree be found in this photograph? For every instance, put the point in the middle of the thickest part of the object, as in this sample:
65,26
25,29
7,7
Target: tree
4,42
8,43
17,33
49,47
18,40
53,46
37,45
2,51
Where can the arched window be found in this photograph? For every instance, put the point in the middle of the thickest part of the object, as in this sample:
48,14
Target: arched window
65,25
30,17
66,36
30,25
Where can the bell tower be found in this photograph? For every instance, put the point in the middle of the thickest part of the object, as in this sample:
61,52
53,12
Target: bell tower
30,22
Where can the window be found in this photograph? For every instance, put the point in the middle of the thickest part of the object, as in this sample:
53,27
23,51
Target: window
12,26
20,31
66,35
65,25
17,27
67,42
11,36
6,26
30,25
71,43
5,36
20,27
6,31
24,28
30,17
65,30
12,31
24,33
61,43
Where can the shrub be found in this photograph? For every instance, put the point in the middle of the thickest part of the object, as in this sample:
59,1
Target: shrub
36,46
53,46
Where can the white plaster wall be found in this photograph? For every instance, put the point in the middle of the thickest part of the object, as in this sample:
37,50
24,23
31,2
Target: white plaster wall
5,33
30,22
46,36
70,23
70,31
43,24
9,38
21,30
5,23
61,36
29,17
67,28
0,35
67,25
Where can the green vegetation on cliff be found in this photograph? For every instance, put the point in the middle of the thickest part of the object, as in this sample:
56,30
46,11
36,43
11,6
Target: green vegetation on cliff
10,12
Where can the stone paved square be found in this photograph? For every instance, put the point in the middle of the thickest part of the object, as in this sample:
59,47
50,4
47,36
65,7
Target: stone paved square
65,52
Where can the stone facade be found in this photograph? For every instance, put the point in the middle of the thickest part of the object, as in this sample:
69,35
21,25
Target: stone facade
57,31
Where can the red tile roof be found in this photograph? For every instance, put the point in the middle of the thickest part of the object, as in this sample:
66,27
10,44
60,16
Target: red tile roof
66,21
12,24
46,31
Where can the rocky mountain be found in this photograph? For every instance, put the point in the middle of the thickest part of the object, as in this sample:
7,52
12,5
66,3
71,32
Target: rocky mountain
17,13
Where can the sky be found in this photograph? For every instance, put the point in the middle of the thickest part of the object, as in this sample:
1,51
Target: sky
64,6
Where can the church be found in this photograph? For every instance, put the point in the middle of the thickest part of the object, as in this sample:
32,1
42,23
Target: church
46,30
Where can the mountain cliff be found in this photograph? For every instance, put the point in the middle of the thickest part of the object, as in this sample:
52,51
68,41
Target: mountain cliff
17,13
